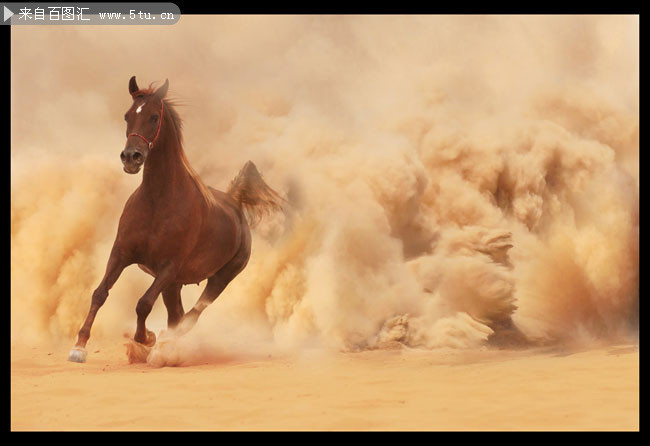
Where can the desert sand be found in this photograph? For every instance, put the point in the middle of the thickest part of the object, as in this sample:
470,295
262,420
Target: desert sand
388,390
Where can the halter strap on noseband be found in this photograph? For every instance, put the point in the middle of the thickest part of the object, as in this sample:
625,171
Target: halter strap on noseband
150,143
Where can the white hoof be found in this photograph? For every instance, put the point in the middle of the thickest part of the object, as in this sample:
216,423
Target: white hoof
77,354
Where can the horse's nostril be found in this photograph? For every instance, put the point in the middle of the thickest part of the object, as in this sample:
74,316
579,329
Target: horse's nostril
122,156
137,157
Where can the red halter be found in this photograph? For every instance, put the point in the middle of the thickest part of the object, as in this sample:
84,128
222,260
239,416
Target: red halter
150,143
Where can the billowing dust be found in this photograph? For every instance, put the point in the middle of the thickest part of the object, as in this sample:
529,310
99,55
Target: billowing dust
443,174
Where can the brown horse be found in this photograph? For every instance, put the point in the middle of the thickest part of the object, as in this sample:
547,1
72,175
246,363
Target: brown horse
173,226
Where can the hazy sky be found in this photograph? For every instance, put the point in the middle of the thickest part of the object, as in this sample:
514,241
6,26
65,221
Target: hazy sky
405,144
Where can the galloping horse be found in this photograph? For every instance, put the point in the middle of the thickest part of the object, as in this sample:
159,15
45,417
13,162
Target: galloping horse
173,226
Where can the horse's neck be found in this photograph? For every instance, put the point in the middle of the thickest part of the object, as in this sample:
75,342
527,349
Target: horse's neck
164,172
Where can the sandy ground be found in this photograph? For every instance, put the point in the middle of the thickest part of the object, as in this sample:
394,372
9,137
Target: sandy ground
541,389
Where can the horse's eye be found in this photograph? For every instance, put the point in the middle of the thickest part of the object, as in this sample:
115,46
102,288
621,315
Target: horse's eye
125,118
154,118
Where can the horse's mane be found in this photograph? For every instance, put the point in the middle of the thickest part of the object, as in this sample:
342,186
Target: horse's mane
177,124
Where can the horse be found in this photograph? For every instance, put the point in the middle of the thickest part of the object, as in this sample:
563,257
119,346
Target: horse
173,226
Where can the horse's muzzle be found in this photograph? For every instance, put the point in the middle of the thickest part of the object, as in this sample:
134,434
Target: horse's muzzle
132,159
131,170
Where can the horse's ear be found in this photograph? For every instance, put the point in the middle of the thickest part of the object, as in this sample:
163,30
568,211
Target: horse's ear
162,91
133,86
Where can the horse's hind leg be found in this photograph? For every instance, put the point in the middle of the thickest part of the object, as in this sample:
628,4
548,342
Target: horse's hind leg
216,284
172,298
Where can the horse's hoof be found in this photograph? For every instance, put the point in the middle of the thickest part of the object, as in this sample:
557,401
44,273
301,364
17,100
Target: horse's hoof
77,354
151,339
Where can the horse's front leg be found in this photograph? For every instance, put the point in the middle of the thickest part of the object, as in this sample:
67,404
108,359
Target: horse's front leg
172,298
145,304
114,268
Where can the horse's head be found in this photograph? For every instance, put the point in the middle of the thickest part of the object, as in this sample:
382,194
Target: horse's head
143,123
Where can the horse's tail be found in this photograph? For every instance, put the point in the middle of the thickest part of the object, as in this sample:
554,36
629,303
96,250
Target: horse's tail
254,196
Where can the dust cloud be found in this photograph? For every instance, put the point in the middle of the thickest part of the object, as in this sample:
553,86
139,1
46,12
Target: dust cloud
445,174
